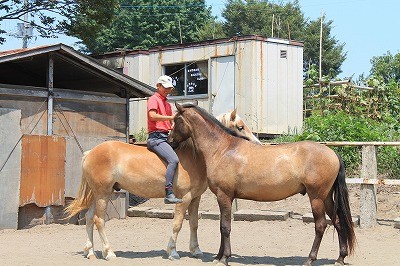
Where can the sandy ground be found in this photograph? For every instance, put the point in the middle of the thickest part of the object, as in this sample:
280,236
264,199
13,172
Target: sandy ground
142,241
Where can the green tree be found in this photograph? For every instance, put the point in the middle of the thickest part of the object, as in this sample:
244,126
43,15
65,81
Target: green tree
212,29
263,18
286,21
141,24
387,67
333,55
50,18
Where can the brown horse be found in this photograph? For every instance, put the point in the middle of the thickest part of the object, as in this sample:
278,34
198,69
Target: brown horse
241,169
134,168
233,121
119,165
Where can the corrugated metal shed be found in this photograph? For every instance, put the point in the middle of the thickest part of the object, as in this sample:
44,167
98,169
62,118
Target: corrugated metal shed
261,77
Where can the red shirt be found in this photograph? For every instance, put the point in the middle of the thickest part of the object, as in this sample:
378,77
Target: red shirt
158,103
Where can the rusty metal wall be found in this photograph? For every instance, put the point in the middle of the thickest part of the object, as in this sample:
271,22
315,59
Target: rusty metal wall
42,170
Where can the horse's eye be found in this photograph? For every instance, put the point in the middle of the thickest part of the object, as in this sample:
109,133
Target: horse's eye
240,128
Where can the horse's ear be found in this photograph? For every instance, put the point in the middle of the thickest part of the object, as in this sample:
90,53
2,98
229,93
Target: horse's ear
233,115
195,102
179,107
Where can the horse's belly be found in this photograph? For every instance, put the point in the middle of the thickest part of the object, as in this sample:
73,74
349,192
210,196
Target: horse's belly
268,193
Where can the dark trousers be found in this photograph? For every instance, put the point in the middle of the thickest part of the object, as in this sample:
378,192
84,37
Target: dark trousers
158,143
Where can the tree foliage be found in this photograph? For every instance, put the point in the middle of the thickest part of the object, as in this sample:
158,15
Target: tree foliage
286,21
141,24
333,55
386,67
50,18
263,18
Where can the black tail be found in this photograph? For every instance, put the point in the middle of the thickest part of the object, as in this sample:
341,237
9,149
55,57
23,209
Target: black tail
342,209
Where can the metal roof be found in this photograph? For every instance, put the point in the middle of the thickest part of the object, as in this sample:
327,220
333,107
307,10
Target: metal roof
198,44
72,70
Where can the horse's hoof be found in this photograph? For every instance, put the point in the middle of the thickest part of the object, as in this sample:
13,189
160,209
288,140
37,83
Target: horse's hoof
339,263
220,263
91,256
110,256
197,253
174,255
308,263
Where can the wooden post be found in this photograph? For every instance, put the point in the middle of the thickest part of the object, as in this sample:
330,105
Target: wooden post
368,202
50,86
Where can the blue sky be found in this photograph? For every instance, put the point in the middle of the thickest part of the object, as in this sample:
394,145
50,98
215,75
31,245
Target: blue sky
367,27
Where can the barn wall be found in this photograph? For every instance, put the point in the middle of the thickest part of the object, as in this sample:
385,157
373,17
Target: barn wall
33,112
10,163
83,119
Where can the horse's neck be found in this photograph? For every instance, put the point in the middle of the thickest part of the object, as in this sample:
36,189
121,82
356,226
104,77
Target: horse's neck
209,139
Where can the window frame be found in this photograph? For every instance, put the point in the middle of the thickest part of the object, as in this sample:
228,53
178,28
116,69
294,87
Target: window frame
190,96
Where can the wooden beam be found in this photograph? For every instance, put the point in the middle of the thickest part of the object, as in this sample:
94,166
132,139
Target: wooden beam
373,181
59,94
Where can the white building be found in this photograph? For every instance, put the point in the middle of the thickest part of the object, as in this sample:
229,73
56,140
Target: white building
261,77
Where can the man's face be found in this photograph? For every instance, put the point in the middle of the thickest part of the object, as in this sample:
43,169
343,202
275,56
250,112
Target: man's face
164,91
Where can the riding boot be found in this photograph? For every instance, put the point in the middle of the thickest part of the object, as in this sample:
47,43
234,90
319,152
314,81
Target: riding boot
170,197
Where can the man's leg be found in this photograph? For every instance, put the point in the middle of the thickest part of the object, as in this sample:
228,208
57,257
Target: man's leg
165,151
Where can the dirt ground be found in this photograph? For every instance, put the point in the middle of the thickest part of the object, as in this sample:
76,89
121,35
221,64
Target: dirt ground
142,241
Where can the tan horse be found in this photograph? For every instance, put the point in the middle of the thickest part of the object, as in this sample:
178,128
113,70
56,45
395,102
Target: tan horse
119,165
241,169
141,172
233,121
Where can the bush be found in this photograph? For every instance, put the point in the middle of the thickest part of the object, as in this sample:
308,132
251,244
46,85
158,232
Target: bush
340,126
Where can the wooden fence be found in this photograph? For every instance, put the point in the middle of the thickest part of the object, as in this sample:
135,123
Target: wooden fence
368,179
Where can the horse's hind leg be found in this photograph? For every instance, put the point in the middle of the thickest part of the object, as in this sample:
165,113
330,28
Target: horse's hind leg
180,210
89,249
318,210
335,221
99,220
194,224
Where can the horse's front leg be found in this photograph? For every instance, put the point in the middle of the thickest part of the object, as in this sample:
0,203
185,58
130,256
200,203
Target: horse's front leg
194,224
99,220
88,250
225,207
180,210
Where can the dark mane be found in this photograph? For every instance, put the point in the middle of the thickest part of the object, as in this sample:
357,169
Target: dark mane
208,116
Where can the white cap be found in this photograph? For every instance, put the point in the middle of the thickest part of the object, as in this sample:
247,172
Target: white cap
166,81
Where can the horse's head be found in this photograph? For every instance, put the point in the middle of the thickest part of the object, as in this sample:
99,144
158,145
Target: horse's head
233,121
185,124
182,129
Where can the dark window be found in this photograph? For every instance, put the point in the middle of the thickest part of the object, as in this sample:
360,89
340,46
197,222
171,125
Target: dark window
189,78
